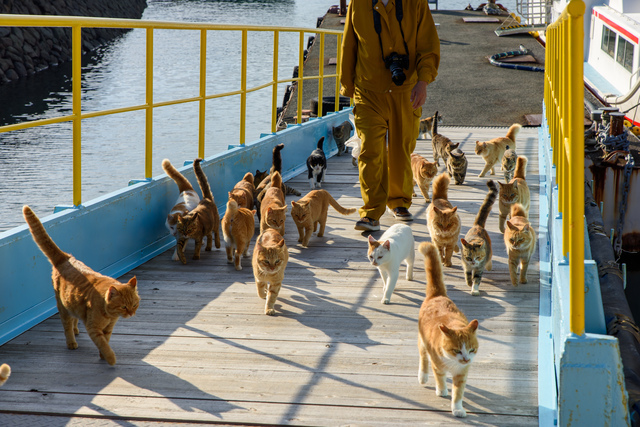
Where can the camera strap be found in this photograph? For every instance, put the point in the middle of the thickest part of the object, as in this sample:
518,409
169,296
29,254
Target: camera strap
378,25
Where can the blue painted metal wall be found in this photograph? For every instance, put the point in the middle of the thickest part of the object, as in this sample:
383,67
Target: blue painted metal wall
117,232
580,378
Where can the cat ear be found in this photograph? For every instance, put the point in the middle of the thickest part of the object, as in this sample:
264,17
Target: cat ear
293,204
437,210
254,211
511,226
387,244
515,184
473,325
501,184
454,209
372,239
525,228
464,242
281,243
111,293
454,146
269,210
444,329
133,282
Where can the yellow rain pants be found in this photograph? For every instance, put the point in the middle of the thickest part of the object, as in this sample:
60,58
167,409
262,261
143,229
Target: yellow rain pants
385,179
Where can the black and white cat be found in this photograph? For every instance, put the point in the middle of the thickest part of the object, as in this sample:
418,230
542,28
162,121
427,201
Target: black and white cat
317,165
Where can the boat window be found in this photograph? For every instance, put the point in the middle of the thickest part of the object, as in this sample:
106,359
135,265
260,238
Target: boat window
608,41
625,54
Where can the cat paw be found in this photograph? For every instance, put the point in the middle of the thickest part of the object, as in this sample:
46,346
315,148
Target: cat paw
475,292
230,260
72,345
442,393
423,377
460,413
238,267
385,300
270,312
523,280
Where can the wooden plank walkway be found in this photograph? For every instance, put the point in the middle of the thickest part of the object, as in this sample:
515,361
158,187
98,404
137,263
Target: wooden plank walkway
200,348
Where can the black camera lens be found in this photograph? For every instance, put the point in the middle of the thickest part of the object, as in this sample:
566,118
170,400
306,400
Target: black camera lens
395,63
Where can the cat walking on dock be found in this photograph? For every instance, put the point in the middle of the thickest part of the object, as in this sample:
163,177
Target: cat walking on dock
446,339
270,257
443,221
520,241
395,246
201,222
311,211
238,227
83,294
493,150
317,166
476,244
187,201
442,145
516,191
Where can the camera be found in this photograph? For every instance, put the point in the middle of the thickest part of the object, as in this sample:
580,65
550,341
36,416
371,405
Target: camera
395,63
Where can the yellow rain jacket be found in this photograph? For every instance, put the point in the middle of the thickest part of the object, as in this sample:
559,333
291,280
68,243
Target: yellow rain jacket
362,62
385,120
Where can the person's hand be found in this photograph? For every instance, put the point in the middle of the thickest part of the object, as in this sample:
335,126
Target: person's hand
418,94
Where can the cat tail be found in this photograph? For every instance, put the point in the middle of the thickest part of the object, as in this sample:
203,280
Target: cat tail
248,177
521,166
183,183
513,132
489,200
43,240
441,186
518,210
276,161
5,371
434,126
433,268
291,190
320,144
202,180
232,207
336,205
276,180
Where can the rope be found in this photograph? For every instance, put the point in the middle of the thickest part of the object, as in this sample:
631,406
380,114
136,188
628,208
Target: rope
523,51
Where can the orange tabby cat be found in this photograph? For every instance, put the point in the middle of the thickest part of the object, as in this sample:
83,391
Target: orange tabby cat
443,220
272,207
445,337
492,151
312,210
238,226
423,173
5,371
270,257
202,221
187,201
517,191
81,293
242,192
520,241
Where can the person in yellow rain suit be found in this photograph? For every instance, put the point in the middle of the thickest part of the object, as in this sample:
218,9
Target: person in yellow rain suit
390,53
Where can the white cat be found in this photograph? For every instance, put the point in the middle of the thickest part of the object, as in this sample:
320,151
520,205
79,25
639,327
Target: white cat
395,245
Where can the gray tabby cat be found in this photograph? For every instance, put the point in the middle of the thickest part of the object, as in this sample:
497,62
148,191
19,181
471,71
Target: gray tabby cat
457,166
341,134
442,145
509,163
476,244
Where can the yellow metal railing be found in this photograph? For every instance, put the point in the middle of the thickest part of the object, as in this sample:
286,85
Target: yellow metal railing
564,99
78,23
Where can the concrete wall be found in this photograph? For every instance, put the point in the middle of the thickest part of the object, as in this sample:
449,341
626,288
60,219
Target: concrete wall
25,51
119,231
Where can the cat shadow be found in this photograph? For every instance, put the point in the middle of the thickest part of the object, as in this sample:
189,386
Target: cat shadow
352,331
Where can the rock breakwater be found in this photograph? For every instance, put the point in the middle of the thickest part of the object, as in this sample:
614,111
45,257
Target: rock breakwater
26,50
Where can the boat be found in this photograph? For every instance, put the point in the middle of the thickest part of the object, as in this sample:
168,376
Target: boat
355,360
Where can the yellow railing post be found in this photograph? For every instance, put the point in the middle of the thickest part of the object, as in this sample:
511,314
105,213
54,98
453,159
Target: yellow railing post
300,74
76,85
564,94
243,88
338,67
203,92
321,75
274,95
148,131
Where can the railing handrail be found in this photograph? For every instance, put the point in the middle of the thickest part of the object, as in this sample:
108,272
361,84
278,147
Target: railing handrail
564,96
77,23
